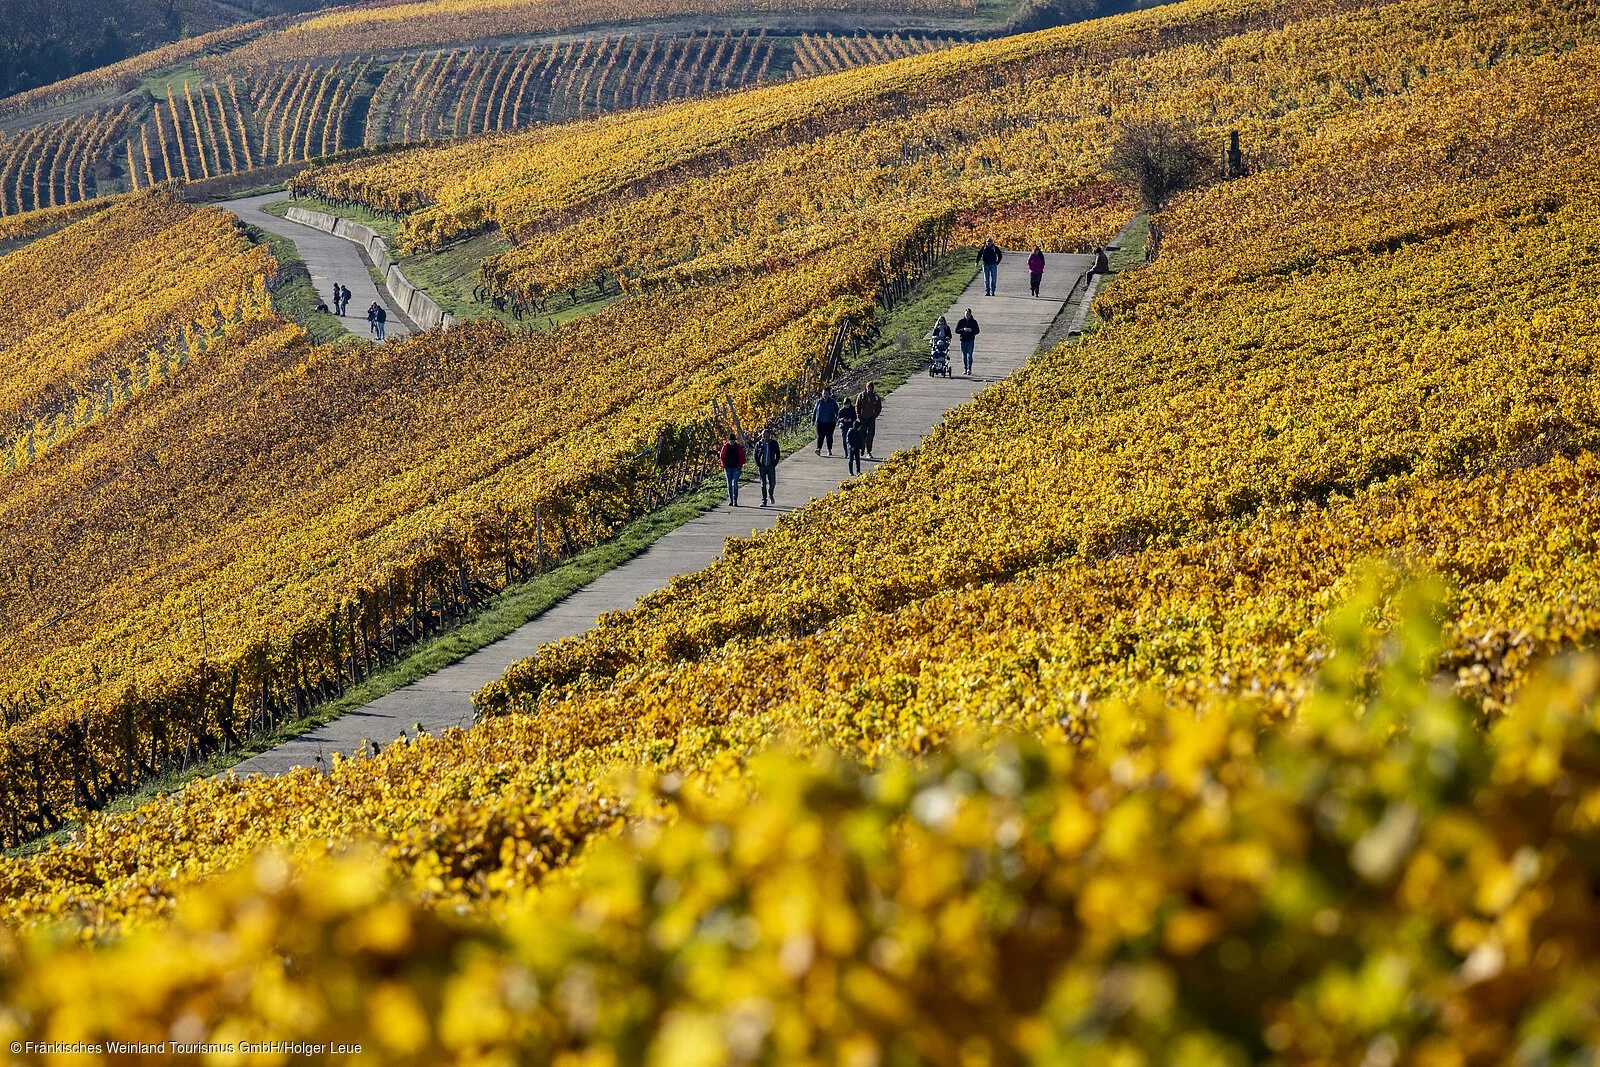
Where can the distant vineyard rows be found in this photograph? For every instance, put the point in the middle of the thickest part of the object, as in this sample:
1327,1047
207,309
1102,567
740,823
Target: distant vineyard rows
294,112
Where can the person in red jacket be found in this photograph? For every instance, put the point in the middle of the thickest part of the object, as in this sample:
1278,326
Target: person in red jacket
732,456
1036,269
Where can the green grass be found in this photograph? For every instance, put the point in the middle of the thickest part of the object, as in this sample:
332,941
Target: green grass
296,298
1131,245
156,83
449,275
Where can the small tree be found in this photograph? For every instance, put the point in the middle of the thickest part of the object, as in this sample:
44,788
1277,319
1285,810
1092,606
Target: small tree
1156,158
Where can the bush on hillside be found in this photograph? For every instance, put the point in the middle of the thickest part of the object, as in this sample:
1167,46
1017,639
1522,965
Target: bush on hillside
1156,158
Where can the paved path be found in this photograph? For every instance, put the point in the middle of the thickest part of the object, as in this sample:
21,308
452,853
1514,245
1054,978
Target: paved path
329,259
1012,323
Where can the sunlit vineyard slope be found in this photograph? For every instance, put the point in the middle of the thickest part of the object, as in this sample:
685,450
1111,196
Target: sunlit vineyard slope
1277,802
1350,384
432,22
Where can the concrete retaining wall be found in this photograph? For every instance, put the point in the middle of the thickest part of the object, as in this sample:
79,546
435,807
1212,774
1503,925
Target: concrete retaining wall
418,306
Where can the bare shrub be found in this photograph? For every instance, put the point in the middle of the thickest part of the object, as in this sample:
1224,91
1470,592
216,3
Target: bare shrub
1156,158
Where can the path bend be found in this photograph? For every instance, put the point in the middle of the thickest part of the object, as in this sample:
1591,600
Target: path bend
329,259
1013,324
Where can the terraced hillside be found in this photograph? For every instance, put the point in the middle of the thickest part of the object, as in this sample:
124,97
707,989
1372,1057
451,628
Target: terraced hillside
287,89
203,127
1219,690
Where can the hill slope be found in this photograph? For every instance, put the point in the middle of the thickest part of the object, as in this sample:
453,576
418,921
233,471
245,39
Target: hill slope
1237,795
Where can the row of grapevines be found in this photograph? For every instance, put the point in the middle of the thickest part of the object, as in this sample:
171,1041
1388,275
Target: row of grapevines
431,22
59,163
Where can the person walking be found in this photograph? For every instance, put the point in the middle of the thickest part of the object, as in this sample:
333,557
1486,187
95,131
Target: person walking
1036,269
344,300
967,330
767,456
847,418
732,457
942,330
868,408
372,319
826,417
855,441
990,256
383,319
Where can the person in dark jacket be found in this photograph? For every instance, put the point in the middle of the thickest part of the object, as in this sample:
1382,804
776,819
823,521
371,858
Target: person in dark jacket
855,441
732,457
826,418
383,320
767,456
1036,269
847,417
868,408
990,256
372,319
1102,262
967,330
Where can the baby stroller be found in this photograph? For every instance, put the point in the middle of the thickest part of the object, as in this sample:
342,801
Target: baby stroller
941,357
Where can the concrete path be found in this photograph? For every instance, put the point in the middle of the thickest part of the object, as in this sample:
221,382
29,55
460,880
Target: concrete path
1012,325
329,259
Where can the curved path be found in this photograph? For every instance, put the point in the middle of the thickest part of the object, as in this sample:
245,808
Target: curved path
329,259
1012,324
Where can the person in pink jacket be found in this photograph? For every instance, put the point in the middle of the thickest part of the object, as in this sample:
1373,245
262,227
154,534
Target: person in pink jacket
1036,269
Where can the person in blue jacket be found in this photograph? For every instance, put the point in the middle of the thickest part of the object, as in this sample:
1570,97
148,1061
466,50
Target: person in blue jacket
826,417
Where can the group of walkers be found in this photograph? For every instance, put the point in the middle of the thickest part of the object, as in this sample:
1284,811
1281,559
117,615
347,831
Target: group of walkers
855,420
341,300
767,455
377,317
990,255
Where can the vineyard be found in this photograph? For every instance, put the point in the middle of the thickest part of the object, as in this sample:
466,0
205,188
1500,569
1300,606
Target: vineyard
1216,690
422,23
97,316
234,122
